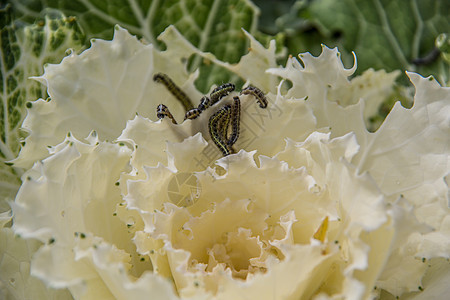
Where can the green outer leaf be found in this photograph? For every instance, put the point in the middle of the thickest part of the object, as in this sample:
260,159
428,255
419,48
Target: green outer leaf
23,52
210,25
385,34
443,44
8,57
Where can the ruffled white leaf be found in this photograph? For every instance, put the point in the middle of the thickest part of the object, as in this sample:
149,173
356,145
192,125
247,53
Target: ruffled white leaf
71,185
66,199
101,89
319,80
149,138
314,78
435,282
94,269
15,279
411,147
371,87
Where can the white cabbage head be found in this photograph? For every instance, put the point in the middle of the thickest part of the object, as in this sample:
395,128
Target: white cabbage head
311,206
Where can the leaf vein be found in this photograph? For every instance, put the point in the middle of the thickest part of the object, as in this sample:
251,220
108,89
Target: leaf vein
390,35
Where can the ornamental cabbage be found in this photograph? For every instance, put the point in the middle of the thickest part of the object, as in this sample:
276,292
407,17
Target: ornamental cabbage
312,205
